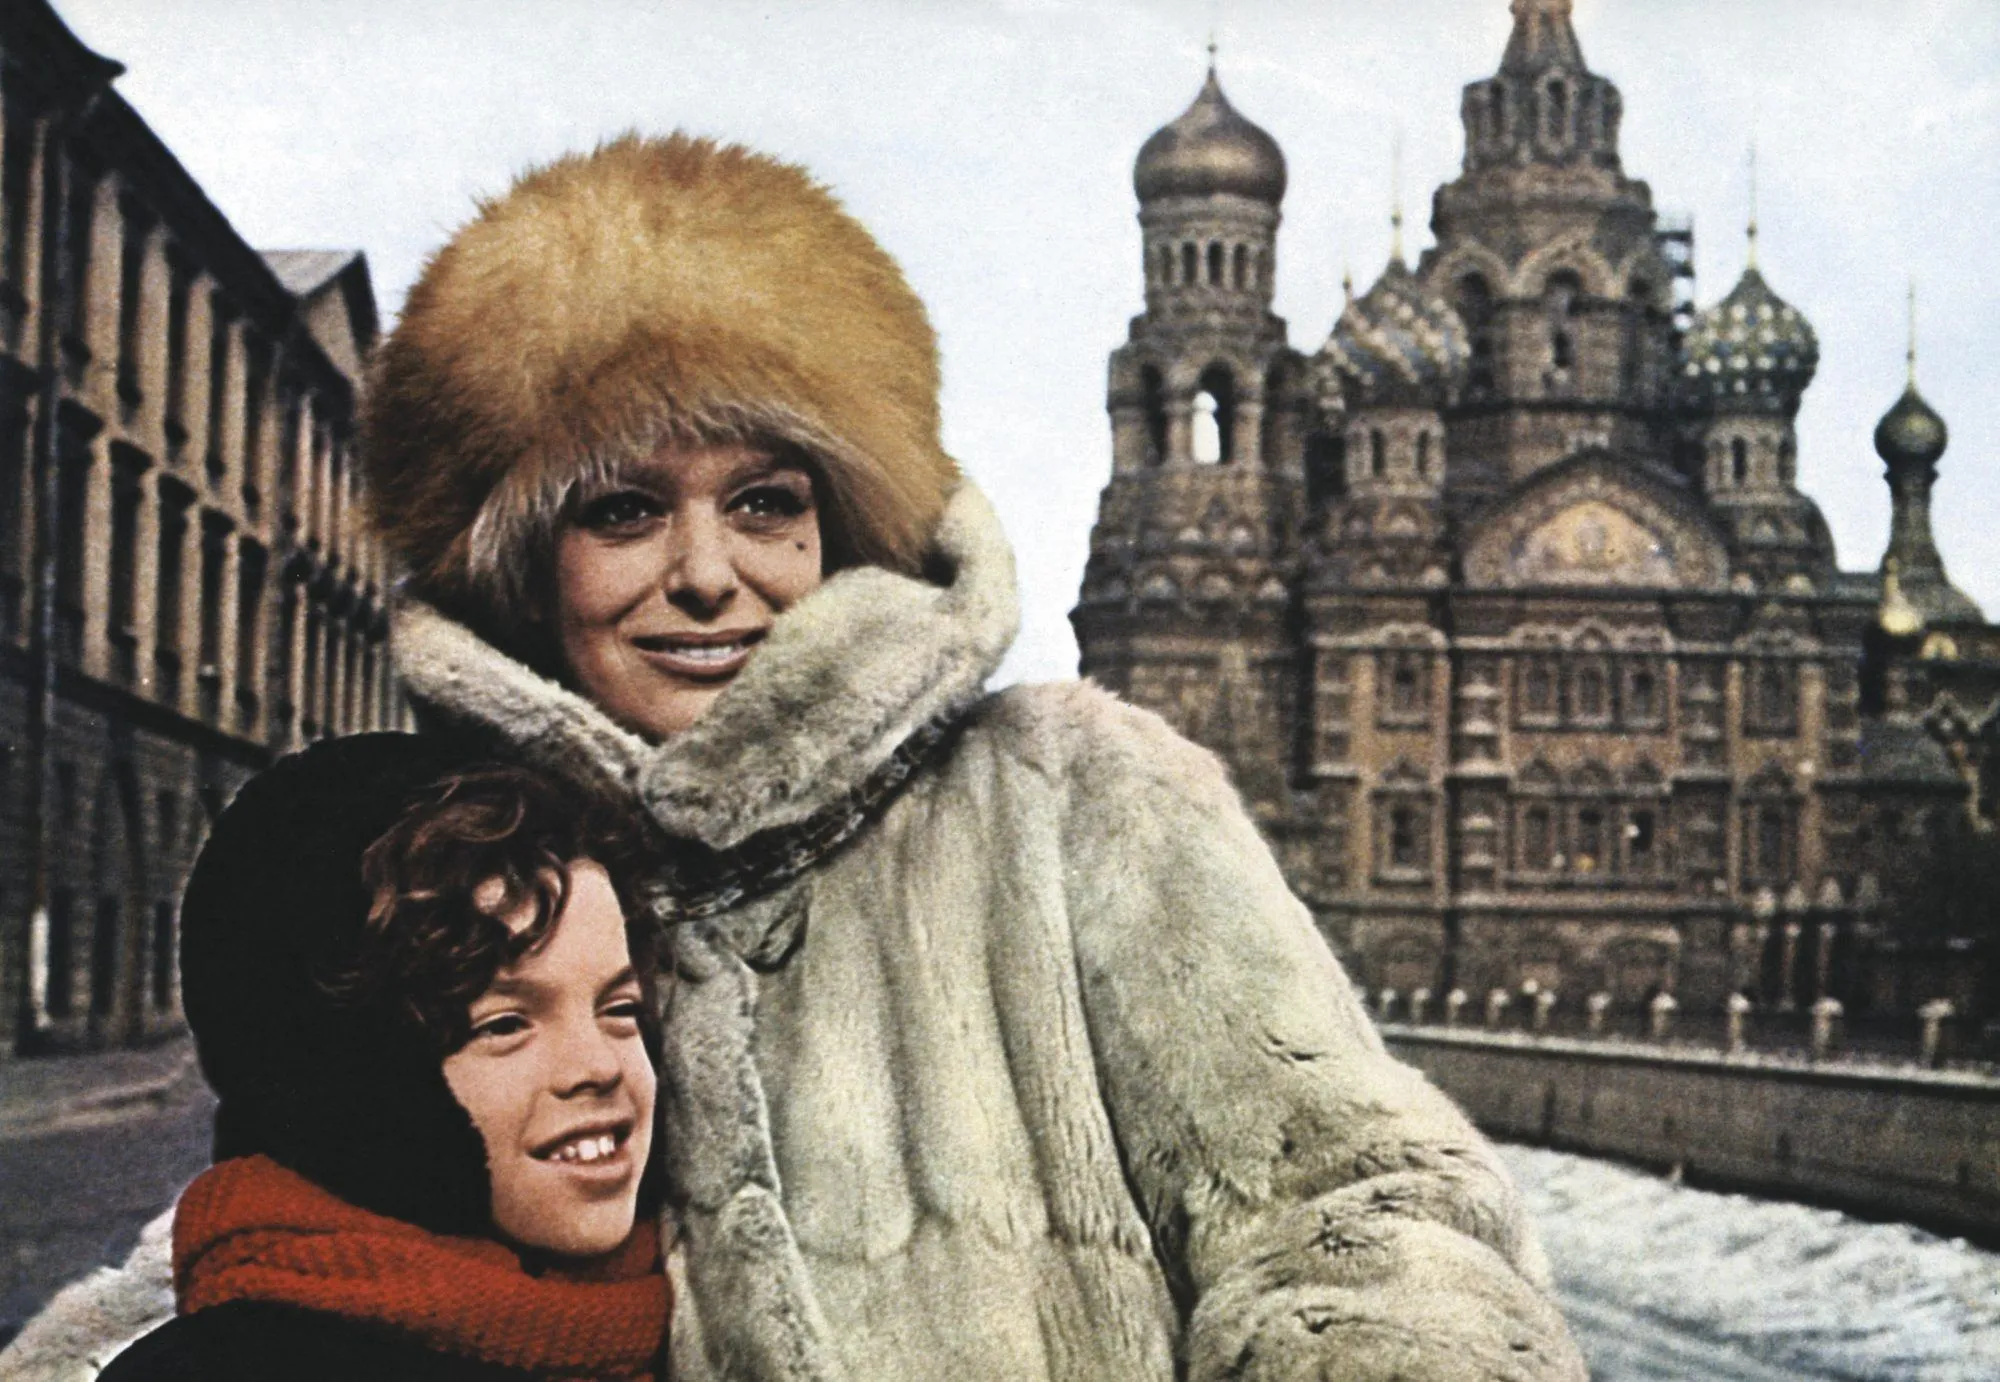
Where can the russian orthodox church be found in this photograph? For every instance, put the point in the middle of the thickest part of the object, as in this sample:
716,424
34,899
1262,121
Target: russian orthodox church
1504,606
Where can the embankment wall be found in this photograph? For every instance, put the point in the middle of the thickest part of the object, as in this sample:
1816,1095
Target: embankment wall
1905,1144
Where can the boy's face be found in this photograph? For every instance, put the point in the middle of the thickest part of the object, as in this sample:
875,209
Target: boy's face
557,1079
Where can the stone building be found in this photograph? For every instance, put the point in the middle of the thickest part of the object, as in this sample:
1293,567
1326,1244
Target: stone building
185,589
1504,606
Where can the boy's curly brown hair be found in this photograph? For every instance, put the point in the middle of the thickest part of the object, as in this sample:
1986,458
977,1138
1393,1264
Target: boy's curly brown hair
436,934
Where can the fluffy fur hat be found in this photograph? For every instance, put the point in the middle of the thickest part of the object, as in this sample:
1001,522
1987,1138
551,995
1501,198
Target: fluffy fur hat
653,290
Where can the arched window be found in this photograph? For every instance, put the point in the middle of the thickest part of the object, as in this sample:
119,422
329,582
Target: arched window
1475,308
1538,690
1739,460
1378,453
1558,109
1215,263
1773,831
1405,695
1326,467
1188,264
1642,697
1591,702
1642,830
1206,435
1220,387
1405,851
61,954
1589,839
1538,839
1774,699
1166,263
1154,399
1242,265
1275,437
1496,109
1423,454
1561,298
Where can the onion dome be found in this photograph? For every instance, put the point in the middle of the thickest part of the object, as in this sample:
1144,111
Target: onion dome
1210,149
1398,342
1751,348
1911,433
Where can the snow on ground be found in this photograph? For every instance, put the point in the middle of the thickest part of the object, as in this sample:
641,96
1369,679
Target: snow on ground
1663,1282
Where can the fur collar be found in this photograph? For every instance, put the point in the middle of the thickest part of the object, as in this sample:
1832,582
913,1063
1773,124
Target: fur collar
845,677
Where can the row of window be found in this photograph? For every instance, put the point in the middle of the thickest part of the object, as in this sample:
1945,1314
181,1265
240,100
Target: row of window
271,633
264,424
1592,838
109,943
1216,433
1590,691
1215,265
1733,462
1561,307
1554,111
109,936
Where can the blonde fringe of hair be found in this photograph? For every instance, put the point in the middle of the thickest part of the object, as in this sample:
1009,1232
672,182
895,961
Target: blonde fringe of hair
865,517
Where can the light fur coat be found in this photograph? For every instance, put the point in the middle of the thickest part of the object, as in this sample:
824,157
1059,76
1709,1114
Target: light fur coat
1045,1075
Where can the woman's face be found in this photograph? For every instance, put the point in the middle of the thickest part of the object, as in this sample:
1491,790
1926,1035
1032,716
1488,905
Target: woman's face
557,1080
666,583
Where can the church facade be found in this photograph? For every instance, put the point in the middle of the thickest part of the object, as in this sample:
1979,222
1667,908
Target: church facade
1504,606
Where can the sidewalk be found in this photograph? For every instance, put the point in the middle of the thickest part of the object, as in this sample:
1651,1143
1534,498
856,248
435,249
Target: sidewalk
41,1094
91,1148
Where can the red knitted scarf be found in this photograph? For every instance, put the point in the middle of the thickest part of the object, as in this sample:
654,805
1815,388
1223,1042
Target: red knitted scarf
248,1229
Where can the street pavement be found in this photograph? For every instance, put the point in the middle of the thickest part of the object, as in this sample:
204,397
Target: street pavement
91,1148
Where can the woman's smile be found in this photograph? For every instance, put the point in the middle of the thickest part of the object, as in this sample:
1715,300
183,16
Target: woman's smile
669,575
717,656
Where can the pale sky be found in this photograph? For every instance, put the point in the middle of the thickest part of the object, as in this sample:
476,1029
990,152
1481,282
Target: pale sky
989,144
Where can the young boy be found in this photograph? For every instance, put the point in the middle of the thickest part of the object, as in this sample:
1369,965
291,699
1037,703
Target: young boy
424,997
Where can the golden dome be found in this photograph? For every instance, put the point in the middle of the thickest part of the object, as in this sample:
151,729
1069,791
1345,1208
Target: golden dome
1210,149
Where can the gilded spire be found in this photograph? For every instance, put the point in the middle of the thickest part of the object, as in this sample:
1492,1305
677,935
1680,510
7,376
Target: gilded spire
1753,203
1396,198
1910,355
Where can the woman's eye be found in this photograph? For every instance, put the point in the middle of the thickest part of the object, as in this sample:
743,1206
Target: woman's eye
625,1010
504,1025
776,502
621,509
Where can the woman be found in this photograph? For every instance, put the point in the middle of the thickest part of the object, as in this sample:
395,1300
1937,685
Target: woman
998,1048
412,988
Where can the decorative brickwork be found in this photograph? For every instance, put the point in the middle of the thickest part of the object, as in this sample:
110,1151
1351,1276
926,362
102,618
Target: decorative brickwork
1504,606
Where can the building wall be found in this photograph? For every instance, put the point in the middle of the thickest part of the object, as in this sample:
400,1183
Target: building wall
214,598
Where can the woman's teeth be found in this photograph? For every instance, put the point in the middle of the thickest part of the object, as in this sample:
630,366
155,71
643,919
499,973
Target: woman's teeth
586,1148
709,652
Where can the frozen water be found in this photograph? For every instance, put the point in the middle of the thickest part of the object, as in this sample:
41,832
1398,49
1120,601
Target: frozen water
1664,1283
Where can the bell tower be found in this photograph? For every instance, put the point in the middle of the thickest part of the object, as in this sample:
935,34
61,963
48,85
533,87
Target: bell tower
1188,593
1557,265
